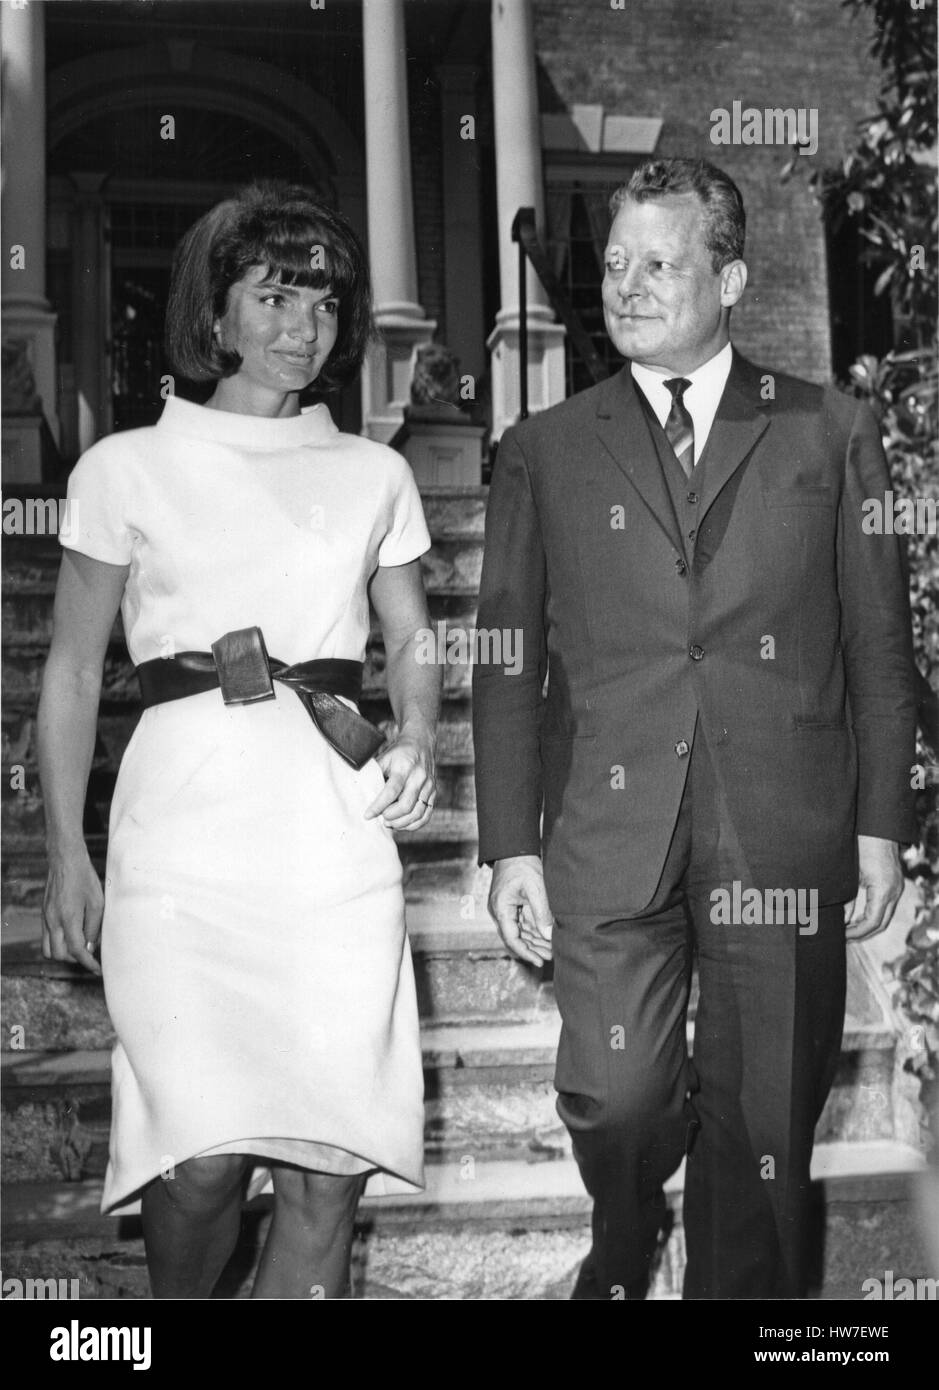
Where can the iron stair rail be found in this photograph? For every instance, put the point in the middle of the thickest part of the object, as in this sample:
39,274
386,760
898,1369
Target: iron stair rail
523,232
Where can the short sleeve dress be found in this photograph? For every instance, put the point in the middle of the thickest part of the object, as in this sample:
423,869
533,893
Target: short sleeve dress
255,961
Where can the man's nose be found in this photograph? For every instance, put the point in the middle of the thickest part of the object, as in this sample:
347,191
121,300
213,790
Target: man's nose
631,282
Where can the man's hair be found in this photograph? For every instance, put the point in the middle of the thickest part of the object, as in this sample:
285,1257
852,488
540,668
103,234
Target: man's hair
726,224
299,241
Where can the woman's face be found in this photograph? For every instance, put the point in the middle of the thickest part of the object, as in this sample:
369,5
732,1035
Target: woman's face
283,333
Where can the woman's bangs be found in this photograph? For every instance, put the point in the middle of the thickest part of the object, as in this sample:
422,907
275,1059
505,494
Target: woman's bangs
305,257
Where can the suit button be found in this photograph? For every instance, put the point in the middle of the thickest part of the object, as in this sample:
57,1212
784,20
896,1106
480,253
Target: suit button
692,497
681,748
696,652
691,535
680,566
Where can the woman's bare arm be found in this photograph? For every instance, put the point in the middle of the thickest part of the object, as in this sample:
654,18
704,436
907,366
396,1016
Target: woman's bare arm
397,593
88,595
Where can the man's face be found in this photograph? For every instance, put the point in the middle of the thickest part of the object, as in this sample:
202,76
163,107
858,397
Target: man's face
664,305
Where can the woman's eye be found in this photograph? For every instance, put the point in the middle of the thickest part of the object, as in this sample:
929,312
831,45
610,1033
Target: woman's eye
329,306
616,265
274,299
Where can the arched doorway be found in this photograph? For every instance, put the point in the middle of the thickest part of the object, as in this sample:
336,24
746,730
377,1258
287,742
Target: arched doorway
131,165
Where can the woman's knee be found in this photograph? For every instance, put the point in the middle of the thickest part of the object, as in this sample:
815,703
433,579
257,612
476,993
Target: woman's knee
209,1181
323,1195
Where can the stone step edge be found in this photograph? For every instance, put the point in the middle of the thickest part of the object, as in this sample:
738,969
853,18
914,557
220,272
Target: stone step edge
501,1191
445,827
435,928
459,1047
487,1048
434,925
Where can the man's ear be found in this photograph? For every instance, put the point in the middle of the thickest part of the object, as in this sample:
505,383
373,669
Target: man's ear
733,282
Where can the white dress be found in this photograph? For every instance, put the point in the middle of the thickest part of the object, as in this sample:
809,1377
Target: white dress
255,961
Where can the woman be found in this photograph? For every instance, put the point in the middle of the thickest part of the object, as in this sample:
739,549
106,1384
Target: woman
252,925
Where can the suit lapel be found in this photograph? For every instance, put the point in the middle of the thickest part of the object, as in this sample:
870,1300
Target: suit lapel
623,430
740,421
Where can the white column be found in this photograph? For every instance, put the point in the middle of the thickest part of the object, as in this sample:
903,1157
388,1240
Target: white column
28,321
391,245
462,231
519,184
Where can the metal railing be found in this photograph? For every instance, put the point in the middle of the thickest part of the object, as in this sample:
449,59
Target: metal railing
530,248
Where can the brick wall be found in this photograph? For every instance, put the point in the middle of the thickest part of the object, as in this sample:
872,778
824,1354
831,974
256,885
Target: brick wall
678,61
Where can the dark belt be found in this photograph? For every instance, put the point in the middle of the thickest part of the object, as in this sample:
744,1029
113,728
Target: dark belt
240,667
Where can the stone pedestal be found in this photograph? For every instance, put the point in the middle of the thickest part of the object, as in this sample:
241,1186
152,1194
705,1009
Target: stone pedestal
386,378
29,453
443,446
545,366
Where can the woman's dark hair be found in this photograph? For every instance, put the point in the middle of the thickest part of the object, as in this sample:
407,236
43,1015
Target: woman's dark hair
301,242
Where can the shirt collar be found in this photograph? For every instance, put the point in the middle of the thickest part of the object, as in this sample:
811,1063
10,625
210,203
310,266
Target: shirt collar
709,379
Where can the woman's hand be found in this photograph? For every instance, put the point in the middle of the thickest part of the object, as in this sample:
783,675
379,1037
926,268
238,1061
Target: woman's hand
409,793
397,594
72,909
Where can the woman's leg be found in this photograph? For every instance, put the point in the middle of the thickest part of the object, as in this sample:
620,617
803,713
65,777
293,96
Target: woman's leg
309,1243
191,1223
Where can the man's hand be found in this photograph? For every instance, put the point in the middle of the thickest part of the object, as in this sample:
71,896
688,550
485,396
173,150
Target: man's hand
880,883
519,905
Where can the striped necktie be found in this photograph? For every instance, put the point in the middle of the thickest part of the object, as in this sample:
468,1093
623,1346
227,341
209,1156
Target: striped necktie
679,427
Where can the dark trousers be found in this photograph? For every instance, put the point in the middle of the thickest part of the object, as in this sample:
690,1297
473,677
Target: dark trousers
766,1044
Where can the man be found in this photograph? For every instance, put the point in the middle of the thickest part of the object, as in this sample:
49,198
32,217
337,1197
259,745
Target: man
721,753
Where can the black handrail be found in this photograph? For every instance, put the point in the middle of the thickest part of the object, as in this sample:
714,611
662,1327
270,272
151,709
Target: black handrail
523,232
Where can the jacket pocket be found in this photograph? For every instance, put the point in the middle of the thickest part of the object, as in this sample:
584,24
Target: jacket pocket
808,495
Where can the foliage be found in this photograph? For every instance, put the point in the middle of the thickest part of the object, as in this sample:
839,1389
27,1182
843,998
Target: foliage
887,185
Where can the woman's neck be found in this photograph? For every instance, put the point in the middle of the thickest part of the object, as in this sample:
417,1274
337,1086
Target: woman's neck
243,398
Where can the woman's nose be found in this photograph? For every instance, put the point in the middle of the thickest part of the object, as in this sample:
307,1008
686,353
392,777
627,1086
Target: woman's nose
304,324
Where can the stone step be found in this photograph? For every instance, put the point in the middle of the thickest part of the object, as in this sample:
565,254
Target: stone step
463,974
455,513
490,1036
24,861
451,570
512,1230
488,1092
450,831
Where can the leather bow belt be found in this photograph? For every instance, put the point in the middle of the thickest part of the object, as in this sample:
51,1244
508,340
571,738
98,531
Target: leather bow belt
240,667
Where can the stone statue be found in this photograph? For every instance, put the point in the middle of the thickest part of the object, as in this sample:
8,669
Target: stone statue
19,385
436,377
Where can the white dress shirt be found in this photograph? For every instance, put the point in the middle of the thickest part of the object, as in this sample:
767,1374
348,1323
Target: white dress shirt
701,398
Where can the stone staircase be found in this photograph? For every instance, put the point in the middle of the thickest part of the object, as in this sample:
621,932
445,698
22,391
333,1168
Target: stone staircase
504,1215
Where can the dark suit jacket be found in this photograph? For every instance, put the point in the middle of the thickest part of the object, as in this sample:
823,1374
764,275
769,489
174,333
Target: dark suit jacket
788,635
